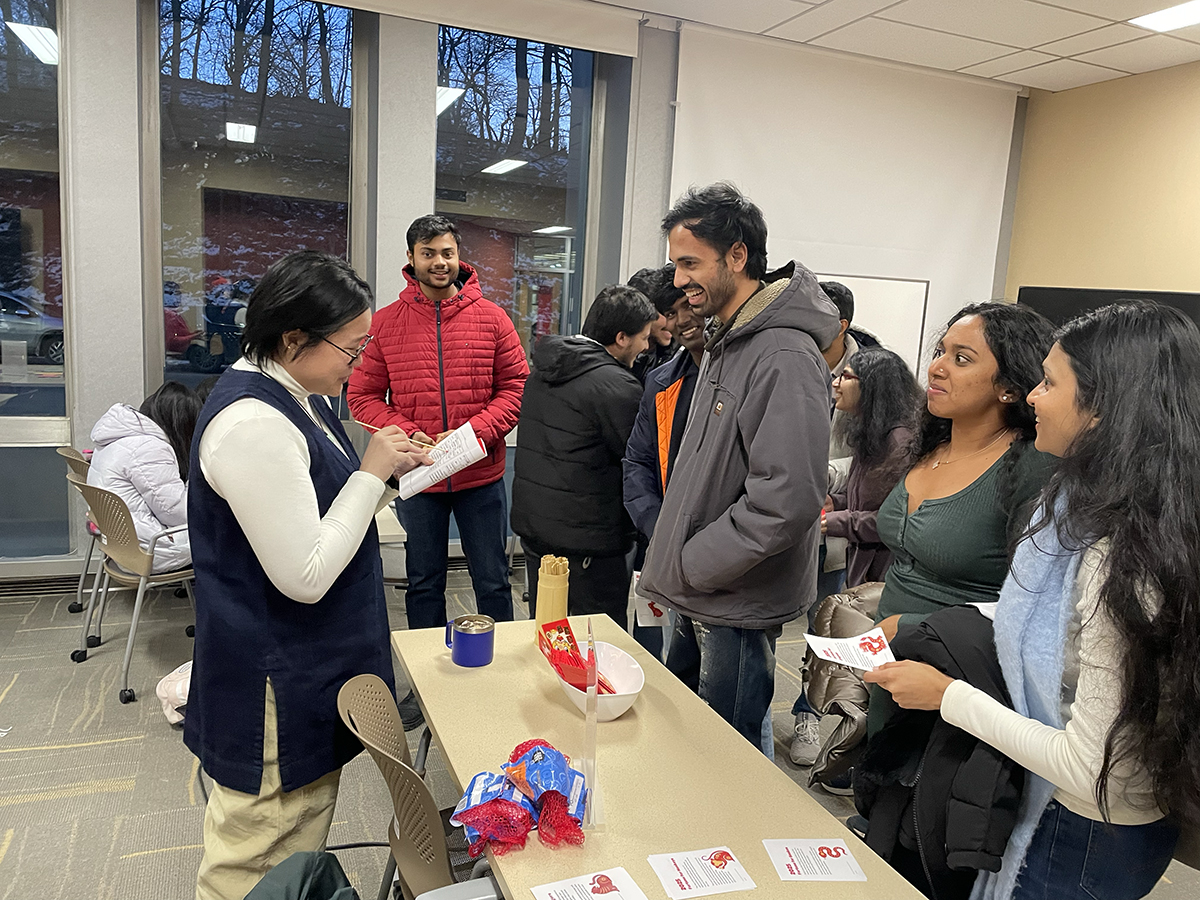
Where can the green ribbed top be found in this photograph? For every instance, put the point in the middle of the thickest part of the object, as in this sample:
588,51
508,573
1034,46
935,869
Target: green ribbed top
954,549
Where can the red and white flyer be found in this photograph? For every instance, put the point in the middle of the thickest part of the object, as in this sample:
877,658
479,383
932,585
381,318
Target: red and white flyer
700,872
611,884
866,651
808,860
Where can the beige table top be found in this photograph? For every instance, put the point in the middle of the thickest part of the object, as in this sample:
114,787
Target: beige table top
673,775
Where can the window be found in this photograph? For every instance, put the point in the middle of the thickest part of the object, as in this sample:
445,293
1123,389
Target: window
514,124
31,298
255,159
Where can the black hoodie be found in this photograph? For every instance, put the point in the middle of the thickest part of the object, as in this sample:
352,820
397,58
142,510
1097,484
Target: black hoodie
576,415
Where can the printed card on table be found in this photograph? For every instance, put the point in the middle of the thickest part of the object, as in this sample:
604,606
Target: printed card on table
611,884
700,872
809,860
866,651
649,612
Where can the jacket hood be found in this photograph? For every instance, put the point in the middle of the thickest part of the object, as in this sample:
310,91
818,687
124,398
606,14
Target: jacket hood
468,290
559,359
123,421
789,298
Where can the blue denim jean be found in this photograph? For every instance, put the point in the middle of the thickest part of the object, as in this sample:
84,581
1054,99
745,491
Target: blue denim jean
732,669
482,517
1073,858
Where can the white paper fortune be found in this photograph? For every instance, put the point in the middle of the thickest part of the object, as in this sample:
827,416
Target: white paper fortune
866,651
649,612
611,884
700,872
808,860
457,450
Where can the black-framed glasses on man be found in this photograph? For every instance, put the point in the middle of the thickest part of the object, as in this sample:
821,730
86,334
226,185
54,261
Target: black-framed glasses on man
844,376
357,353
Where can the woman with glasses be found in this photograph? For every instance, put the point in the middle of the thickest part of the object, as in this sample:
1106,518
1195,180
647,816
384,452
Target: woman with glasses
878,396
289,585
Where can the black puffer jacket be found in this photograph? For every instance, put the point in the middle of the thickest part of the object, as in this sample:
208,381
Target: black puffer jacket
576,416
936,789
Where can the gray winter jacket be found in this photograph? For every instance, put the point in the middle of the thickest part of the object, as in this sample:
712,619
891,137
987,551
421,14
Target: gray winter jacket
737,537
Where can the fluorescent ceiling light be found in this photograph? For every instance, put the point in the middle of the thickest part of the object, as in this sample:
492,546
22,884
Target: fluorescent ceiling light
1169,19
552,229
446,97
505,165
42,42
242,134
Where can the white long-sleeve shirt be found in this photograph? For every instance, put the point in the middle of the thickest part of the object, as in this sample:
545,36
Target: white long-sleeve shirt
257,461
1069,758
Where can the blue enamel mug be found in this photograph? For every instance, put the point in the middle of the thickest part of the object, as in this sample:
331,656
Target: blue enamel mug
472,640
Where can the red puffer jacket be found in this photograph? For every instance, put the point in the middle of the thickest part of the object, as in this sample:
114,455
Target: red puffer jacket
444,364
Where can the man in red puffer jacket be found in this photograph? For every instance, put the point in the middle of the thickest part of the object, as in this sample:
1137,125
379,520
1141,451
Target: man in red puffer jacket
442,356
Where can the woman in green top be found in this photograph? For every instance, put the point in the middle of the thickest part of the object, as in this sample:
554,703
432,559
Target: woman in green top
949,522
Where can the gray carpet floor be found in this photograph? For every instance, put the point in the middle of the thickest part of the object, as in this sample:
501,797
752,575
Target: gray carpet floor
101,800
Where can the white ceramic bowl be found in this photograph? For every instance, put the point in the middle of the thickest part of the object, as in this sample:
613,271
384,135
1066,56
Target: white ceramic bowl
626,676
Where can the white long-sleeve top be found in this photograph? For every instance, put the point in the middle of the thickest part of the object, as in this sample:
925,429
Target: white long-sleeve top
257,461
1069,758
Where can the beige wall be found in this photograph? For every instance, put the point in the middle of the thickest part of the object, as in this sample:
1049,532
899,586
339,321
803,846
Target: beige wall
1109,192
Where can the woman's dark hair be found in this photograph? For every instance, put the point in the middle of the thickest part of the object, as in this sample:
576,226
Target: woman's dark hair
310,291
618,309
1019,338
174,408
1133,479
721,215
889,396
205,387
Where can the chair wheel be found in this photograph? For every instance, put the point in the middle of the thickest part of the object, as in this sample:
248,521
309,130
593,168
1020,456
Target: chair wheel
127,695
191,631
78,655
93,640
74,607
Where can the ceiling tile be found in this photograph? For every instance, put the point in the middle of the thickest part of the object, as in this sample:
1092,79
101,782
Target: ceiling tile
1159,51
753,17
906,43
826,17
1018,23
1191,33
1060,75
1022,59
1118,10
1094,40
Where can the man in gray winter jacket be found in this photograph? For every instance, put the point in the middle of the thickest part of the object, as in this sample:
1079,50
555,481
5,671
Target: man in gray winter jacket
735,548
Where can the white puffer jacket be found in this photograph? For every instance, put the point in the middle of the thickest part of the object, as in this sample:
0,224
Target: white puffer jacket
134,460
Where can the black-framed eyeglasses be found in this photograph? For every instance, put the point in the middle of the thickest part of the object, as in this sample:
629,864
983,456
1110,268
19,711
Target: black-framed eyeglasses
356,354
844,376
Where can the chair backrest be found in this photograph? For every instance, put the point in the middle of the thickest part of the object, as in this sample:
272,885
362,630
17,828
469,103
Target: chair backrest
76,461
120,540
418,843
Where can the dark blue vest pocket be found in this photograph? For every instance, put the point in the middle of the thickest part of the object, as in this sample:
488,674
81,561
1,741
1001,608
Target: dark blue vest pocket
1124,862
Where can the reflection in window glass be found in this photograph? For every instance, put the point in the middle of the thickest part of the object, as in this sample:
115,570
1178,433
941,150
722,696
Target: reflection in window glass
31,299
255,159
34,508
514,122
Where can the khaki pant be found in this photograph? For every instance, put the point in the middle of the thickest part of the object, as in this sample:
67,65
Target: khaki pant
246,835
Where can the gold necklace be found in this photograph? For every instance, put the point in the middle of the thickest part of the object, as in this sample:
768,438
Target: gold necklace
969,455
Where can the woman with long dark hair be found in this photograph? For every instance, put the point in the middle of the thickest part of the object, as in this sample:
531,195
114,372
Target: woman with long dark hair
289,588
1096,628
141,455
950,520
879,397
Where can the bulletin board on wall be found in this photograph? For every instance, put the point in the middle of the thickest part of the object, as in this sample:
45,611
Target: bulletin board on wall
892,309
1062,304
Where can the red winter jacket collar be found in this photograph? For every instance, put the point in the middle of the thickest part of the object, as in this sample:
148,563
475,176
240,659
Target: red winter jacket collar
434,366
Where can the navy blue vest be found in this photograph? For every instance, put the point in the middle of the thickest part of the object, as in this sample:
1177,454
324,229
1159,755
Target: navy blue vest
247,631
